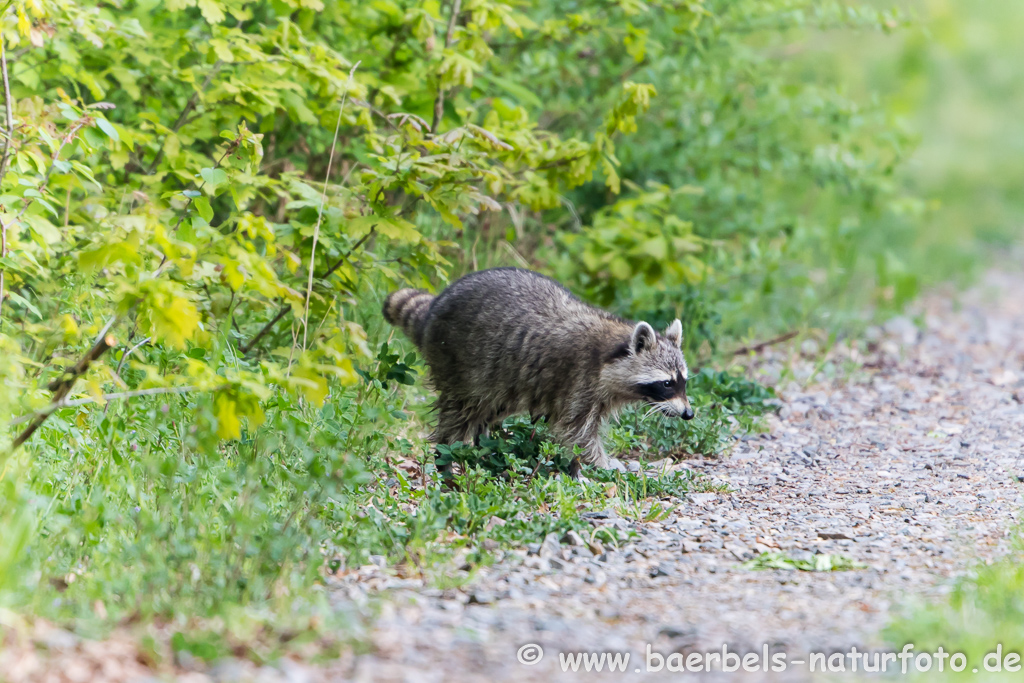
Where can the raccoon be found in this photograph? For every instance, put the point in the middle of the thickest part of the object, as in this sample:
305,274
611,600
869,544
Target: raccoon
510,341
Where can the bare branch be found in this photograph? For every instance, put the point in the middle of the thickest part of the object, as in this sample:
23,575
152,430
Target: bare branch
103,342
154,391
61,386
760,346
281,312
8,135
130,352
9,107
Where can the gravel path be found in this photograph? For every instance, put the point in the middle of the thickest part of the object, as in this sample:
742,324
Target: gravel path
909,466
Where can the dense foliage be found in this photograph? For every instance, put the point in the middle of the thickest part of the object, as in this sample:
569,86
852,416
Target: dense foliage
208,200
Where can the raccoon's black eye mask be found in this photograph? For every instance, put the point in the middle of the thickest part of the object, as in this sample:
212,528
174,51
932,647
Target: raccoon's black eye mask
663,390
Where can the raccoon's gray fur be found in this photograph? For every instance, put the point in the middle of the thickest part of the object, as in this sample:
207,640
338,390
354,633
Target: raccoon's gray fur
505,341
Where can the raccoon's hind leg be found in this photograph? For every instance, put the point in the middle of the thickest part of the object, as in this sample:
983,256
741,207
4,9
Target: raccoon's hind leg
455,422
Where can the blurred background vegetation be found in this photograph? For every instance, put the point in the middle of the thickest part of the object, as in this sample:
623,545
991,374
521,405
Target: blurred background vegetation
953,80
959,82
753,166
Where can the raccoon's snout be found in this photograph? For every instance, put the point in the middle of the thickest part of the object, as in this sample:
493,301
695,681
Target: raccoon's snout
677,408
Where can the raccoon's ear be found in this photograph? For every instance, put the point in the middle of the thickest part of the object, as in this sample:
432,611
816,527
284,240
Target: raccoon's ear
674,333
643,338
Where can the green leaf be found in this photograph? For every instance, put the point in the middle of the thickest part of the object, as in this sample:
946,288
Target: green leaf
397,229
204,208
14,296
167,313
620,268
311,384
212,177
211,10
229,426
656,247
108,128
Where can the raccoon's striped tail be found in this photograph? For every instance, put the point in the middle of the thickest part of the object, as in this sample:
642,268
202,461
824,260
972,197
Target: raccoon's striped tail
407,310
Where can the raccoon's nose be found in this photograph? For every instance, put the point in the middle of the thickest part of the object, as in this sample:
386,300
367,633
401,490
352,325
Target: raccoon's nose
687,414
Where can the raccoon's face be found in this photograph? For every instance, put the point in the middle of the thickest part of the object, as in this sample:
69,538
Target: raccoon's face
650,367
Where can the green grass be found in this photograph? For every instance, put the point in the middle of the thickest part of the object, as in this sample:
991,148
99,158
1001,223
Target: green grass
984,610
817,563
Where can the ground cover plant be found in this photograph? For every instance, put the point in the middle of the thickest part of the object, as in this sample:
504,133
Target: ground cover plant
823,562
203,204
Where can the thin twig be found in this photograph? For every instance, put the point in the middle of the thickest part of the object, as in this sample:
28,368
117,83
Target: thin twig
456,8
154,391
9,106
344,257
130,352
323,201
103,342
281,312
439,102
760,346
